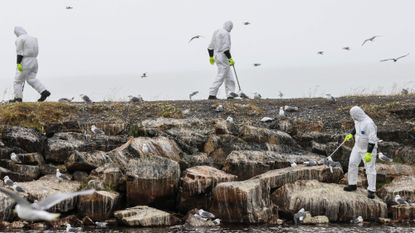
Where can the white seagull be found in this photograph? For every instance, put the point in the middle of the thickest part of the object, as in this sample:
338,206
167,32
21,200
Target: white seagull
229,119
384,158
70,228
205,214
30,212
299,216
61,176
267,119
101,224
7,181
96,130
399,200
65,100
281,112
15,158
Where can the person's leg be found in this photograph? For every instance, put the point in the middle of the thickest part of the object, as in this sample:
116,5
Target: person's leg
371,175
34,82
213,91
18,85
353,170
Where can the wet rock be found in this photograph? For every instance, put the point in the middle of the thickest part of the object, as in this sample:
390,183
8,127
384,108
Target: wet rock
194,160
387,172
316,220
361,179
153,180
197,184
329,200
46,185
86,161
99,206
190,140
31,158
145,216
62,145
404,186
323,149
403,212
6,151
4,225
38,226
167,123
221,127
279,177
218,147
30,140
246,164
71,219
242,202
47,169
111,176
66,126
405,154
262,135
384,220
20,172
80,176
87,221
6,208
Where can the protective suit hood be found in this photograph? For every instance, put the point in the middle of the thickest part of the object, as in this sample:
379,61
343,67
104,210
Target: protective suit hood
19,31
228,26
357,113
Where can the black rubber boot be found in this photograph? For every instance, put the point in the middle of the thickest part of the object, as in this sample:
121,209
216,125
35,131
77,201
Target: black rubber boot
43,96
350,188
212,97
370,194
16,100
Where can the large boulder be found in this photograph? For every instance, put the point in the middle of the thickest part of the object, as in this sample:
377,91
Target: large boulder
62,145
266,136
193,160
404,186
152,180
279,177
20,172
246,164
86,161
386,172
191,140
329,200
144,216
197,184
28,139
242,201
49,184
110,176
99,206
31,158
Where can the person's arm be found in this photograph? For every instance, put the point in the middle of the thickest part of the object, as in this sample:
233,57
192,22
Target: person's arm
373,138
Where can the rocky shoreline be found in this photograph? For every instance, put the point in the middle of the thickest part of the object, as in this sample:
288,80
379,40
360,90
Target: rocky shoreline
158,163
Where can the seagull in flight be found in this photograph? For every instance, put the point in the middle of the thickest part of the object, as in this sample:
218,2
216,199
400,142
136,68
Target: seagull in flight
395,59
257,64
346,48
371,39
144,75
195,37
247,23
193,94
320,52
37,211
69,7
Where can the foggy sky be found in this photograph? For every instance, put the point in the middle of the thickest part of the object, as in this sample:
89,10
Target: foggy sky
101,47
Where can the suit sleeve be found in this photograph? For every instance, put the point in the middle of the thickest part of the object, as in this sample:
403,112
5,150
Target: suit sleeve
212,42
372,135
19,47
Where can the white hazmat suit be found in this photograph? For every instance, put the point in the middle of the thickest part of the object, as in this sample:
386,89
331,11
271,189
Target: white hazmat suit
27,47
366,132
221,42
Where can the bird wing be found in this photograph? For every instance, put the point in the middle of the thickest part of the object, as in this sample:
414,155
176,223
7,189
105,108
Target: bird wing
56,198
389,59
364,42
20,200
402,56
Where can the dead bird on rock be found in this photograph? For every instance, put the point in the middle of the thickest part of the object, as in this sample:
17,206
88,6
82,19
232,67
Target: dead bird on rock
290,108
65,100
205,214
310,163
330,163
400,201
358,220
267,119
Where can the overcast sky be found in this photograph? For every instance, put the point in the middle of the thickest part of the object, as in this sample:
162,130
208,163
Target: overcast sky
101,47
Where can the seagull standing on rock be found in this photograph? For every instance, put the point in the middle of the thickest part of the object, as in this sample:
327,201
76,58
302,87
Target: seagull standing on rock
86,99
15,158
61,176
7,181
29,212
97,131
358,220
101,224
384,158
330,98
70,228
281,112
400,201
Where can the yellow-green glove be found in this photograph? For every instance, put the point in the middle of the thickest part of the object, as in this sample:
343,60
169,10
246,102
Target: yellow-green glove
348,137
19,67
368,157
231,62
212,60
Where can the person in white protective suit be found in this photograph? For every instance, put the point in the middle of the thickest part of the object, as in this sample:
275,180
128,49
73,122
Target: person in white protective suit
219,52
27,50
365,148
